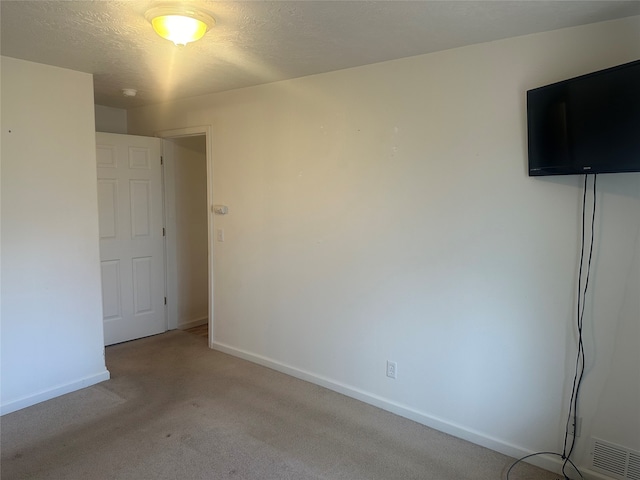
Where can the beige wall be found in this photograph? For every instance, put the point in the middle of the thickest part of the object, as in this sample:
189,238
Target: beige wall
52,339
110,120
385,213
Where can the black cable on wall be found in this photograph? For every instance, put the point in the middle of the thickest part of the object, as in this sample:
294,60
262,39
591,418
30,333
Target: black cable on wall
572,415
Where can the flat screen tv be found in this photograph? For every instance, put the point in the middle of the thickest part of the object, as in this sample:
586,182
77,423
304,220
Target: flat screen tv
587,124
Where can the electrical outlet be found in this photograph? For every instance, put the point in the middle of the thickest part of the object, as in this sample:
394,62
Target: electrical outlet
392,369
576,426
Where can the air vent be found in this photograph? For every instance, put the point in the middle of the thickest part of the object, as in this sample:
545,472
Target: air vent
633,466
616,461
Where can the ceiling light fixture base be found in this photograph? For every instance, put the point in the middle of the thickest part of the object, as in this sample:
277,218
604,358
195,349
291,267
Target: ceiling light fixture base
179,23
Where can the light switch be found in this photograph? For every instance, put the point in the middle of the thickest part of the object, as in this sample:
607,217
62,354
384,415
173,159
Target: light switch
220,209
220,235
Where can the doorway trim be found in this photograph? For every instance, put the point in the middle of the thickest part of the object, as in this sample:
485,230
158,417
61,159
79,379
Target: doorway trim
172,293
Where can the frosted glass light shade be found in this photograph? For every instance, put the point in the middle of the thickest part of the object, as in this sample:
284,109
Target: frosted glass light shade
179,25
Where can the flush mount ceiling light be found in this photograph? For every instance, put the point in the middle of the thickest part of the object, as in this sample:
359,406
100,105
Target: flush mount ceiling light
180,24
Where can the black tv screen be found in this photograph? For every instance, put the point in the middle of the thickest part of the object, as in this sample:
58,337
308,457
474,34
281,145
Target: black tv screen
587,124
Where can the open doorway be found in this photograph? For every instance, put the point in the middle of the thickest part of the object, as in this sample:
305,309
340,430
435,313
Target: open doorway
187,183
190,187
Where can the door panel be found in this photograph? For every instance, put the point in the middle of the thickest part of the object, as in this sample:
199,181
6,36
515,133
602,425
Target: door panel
131,236
111,304
140,194
108,208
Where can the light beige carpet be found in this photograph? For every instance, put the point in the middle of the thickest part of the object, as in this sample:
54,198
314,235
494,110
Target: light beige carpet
174,409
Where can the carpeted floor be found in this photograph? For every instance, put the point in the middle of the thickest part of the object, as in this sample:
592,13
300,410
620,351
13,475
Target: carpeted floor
201,330
175,409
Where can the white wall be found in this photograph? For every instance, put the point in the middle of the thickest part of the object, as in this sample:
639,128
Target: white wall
190,182
110,120
52,340
385,212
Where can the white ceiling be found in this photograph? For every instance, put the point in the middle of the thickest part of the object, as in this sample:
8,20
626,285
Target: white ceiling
257,42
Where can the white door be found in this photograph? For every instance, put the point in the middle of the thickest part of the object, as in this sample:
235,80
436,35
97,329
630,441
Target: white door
131,236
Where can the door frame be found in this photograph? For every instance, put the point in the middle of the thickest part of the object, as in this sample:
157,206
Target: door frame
169,211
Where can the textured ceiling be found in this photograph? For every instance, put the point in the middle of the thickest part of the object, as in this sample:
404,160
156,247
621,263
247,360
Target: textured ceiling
257,42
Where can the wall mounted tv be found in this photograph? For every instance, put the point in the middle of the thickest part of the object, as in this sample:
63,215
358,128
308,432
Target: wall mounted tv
587,124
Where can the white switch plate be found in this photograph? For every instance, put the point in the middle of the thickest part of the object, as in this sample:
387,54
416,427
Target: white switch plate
220,209
220,235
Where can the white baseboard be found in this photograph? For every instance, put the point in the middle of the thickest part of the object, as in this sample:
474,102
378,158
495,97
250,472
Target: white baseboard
193,323
548,462
50,393
591,475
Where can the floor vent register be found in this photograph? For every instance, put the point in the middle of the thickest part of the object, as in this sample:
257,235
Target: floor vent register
614,460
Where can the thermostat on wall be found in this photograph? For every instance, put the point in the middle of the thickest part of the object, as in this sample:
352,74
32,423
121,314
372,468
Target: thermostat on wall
220,209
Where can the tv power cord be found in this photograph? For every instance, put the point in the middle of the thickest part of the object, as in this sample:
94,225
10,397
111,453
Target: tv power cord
568,447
